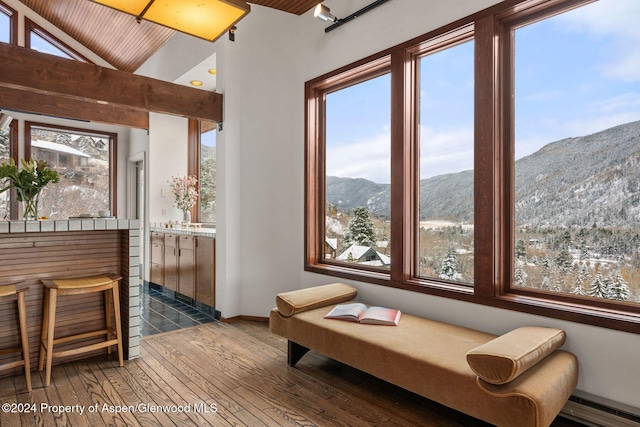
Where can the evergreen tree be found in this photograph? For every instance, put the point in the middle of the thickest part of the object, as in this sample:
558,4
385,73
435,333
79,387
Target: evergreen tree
519,275
361,230
619,289
449,267
545,283
579,284
599,287
564,261
208,189
520,249
584,253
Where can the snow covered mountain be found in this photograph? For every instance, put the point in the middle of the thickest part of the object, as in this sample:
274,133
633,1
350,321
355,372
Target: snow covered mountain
574,181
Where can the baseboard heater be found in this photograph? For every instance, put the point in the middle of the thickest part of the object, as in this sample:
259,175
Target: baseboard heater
595,414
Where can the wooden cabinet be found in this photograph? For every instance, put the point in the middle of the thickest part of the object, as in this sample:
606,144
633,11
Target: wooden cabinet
157,258
170,262
185,264
206,270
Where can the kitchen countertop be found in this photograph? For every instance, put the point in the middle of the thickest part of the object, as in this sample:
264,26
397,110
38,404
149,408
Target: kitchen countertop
189,231
75,224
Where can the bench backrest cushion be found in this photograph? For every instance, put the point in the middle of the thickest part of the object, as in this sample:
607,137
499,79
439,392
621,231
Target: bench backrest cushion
504,358
290,303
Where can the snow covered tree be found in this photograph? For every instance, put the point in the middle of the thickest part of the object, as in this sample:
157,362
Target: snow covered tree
564,261
520,249
619,289
519,275
450,266
361,230
599,287
579,284
545,283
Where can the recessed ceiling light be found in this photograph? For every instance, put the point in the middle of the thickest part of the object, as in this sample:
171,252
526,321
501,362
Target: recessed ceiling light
196,82
213,71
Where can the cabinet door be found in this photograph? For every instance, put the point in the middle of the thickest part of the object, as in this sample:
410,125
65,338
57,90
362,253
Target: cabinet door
157,275
205,270
157,253
157,258
170,268
187,266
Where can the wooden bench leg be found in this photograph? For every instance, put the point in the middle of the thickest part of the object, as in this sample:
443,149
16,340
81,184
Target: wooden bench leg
116,315
295,352
51,326
24,338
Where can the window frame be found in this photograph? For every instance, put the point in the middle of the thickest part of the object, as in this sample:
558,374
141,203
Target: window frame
315,184
195,130
31,27
13,22
493,173
13,153
113,153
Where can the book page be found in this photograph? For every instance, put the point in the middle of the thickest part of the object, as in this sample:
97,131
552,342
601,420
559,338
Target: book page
347,311
381,316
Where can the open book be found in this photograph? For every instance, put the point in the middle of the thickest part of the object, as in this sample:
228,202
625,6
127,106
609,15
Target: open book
357,312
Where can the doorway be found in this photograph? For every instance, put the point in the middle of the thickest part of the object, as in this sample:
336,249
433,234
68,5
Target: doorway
137,202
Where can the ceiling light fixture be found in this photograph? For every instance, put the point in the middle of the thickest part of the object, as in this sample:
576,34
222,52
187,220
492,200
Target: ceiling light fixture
323,12
206,19
196,83
213,71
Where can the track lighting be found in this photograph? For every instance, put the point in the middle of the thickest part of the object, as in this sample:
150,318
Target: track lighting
323,12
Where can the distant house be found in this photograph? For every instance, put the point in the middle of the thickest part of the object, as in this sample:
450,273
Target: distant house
364,255
330,248
59,156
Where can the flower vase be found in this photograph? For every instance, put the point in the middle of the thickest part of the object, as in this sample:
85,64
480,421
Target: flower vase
30,204
186,216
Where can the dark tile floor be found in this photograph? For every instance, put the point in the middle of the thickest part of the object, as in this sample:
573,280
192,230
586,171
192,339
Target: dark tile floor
162,313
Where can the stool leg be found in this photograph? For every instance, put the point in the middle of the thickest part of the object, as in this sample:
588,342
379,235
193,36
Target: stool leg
53,299
22,314
45,328
107,315
116,315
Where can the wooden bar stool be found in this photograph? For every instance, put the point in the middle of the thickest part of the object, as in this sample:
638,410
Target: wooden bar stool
10,291
84,285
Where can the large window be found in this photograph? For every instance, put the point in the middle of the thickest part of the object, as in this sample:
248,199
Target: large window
8,24
445,189
358,173
577,152
84,160
202,163
41,40
513,162
207,178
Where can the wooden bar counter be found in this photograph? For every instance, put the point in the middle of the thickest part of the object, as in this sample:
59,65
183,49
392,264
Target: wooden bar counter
35,250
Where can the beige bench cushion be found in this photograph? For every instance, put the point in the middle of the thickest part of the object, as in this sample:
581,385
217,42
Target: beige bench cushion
503,359
290,303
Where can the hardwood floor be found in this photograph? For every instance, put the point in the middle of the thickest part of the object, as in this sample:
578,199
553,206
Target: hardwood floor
219,374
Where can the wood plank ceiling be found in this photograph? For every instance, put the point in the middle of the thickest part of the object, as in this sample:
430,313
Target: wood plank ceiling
115,36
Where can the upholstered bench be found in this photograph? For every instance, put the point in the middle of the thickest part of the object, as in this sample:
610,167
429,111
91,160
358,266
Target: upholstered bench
517,379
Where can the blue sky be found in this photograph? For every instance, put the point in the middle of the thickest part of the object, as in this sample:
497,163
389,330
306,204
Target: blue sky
576,74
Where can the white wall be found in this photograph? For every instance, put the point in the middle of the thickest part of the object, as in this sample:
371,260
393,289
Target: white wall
167,158
260,227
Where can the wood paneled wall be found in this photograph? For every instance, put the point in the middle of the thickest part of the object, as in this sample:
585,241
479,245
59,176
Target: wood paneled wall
29,257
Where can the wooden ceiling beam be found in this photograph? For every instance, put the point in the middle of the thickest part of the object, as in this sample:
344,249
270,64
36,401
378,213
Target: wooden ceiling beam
32,71
77,109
